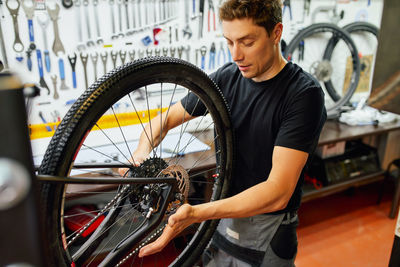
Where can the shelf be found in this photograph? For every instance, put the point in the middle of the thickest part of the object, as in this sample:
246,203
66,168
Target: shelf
341,186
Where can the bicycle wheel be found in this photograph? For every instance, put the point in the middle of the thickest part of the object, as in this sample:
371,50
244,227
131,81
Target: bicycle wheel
94,225
307,49
360,33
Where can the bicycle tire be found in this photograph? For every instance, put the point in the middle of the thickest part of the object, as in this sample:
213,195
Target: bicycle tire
350,28
84,114
337,33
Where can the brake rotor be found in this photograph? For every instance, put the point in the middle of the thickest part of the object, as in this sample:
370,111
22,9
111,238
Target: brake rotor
181,176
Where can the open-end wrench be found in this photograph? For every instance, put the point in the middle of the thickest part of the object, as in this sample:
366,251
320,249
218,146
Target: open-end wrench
132,55
180,51
77,4
42,82
149,52
114,33
72,62
29,12
96,17
63,86
43,24
54,80
187,31
89,42
3,47
120,34
114,58
139,8
126,14
84,59
187,50
157,52
122,55
94,57
17,46
141,53
57,44
104,60
133,3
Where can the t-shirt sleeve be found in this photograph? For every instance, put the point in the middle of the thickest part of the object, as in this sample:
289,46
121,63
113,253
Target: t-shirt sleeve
192,103
303,121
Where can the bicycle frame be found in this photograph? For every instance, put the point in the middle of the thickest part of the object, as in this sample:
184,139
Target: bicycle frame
20,220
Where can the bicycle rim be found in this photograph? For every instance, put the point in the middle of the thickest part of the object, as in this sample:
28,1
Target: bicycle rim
360,33
343,63
102,127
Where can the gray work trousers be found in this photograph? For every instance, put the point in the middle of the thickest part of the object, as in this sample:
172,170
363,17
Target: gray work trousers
264,240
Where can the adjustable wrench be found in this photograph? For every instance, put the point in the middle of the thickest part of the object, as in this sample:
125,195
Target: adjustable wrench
42,82
94,57
96,17
43,24
86,8
57,44
72,62
77,3
84,59
17,46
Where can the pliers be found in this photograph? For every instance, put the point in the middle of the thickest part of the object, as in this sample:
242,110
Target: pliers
221,53
211,62
286,3
211,11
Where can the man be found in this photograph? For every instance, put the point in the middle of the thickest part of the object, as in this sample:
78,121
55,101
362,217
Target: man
278,113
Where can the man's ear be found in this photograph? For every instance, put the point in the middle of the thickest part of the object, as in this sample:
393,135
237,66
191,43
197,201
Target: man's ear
277,33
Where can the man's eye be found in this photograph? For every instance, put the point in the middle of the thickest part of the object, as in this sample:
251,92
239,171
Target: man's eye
248,44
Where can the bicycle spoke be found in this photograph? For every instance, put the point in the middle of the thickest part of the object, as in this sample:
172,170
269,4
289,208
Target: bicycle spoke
123,135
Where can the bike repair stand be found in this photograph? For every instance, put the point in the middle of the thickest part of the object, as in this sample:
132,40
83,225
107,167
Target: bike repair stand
19,220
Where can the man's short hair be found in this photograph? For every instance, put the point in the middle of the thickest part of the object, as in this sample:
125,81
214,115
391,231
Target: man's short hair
265,13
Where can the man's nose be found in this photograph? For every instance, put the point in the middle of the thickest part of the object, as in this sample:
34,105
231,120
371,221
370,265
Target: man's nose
236,52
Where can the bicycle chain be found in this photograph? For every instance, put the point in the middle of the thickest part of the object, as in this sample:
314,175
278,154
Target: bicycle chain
98,215
156,234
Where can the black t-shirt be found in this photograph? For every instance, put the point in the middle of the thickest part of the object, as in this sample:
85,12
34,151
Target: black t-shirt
286,110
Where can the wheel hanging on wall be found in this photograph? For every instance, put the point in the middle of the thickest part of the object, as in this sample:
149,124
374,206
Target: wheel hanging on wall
358,26
307,49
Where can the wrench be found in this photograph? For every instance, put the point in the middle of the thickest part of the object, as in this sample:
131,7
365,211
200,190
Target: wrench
77,3
126,14
114,58
114,34
86,8
132,55
43,24
57,44
139,13
141,53
17,46
29,12
96,17
122,55
187,31
104,60
120,34
84,59
54,80
62,74
157,52
149,52
72,62
94,58
133,15
42,82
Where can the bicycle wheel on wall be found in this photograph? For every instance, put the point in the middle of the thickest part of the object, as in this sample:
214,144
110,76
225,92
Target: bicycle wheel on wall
89,225
307,49
361,33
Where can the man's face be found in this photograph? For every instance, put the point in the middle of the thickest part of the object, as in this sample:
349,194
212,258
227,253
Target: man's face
251,48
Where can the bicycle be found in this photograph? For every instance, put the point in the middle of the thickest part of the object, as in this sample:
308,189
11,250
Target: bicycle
92,216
